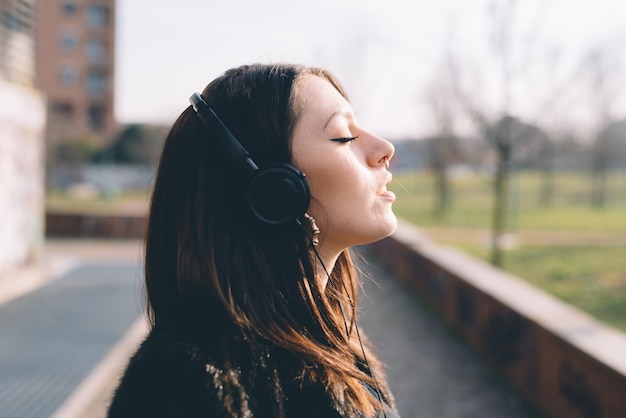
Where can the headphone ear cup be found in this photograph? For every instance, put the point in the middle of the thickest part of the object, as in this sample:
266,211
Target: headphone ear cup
277,194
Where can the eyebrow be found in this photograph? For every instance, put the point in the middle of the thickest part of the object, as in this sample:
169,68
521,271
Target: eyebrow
344,113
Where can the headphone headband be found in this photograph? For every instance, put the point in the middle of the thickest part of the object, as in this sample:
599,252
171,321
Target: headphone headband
276,194
233,148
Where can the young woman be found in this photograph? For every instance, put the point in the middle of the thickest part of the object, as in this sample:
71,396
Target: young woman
263,185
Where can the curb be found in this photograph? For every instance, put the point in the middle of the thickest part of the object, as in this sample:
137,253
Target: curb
91,396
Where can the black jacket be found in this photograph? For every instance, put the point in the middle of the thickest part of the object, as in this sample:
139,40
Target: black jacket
174,375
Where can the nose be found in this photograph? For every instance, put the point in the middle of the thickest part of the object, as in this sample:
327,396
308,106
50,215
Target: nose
380,151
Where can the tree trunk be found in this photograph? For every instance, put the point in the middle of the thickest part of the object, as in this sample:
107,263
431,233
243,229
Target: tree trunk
442,195
599,169
500,208
546,187
440,155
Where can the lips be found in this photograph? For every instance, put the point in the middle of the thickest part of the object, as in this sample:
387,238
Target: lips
387,194
383,192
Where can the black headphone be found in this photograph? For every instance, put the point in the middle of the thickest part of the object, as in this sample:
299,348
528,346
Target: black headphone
275,194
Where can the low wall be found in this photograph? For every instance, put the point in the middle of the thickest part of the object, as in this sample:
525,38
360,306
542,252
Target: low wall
564,361
95,226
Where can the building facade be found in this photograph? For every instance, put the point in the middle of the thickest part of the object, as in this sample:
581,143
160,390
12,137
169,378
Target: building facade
22,126
75,68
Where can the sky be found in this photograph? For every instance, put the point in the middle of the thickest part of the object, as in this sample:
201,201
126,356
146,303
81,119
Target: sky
386,53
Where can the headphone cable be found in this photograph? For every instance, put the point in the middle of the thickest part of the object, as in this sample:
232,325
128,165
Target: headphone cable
356,325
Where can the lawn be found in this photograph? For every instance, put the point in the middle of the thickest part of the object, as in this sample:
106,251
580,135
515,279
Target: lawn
569,249
132,201
574,251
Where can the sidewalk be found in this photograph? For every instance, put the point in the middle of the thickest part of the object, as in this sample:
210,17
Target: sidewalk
64,340
61,320
431,372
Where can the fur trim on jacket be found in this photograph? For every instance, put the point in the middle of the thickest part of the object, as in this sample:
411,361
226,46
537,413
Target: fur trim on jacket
172,376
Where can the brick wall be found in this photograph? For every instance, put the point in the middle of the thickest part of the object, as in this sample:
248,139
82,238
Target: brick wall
563,360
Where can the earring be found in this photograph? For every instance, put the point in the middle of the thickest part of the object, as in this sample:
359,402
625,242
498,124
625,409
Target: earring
315,231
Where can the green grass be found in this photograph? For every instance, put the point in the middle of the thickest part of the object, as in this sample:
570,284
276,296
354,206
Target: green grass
593,278
64,203
471,203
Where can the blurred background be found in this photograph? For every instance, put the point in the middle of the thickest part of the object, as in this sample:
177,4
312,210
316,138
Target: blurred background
508,118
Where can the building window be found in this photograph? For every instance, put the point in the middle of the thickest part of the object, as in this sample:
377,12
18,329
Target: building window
97,16
69,7
62,111
95,51
69,76
96,84
68,41
96,117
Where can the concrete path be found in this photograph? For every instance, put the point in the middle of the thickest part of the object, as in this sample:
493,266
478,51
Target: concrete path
60,320
65,337
431,372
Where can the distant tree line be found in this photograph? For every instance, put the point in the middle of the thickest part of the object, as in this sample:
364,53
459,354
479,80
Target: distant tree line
523,99
136,144
507,146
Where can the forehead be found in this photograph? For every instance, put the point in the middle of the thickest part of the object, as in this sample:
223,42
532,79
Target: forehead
316,96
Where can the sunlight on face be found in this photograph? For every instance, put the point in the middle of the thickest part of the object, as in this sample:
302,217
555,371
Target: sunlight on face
346,168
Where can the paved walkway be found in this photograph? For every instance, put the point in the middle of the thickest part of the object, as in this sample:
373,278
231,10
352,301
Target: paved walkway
65,337
59,321
431,372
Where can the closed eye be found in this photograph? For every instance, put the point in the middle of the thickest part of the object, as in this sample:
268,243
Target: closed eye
345,139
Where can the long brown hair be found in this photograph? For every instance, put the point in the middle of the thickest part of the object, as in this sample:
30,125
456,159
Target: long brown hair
207,263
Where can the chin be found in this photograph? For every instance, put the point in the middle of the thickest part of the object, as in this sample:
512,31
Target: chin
383,229
392,225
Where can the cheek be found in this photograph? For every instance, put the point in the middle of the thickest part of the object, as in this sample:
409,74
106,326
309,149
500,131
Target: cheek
324,185
336,180
320,186
335,189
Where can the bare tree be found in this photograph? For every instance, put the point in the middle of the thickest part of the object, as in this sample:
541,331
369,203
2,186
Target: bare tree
508,66
442,146
498,135
603,67
546,167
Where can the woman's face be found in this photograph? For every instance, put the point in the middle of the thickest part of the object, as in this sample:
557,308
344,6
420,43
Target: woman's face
345,166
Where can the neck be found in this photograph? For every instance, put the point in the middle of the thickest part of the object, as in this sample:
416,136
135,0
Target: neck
324,264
